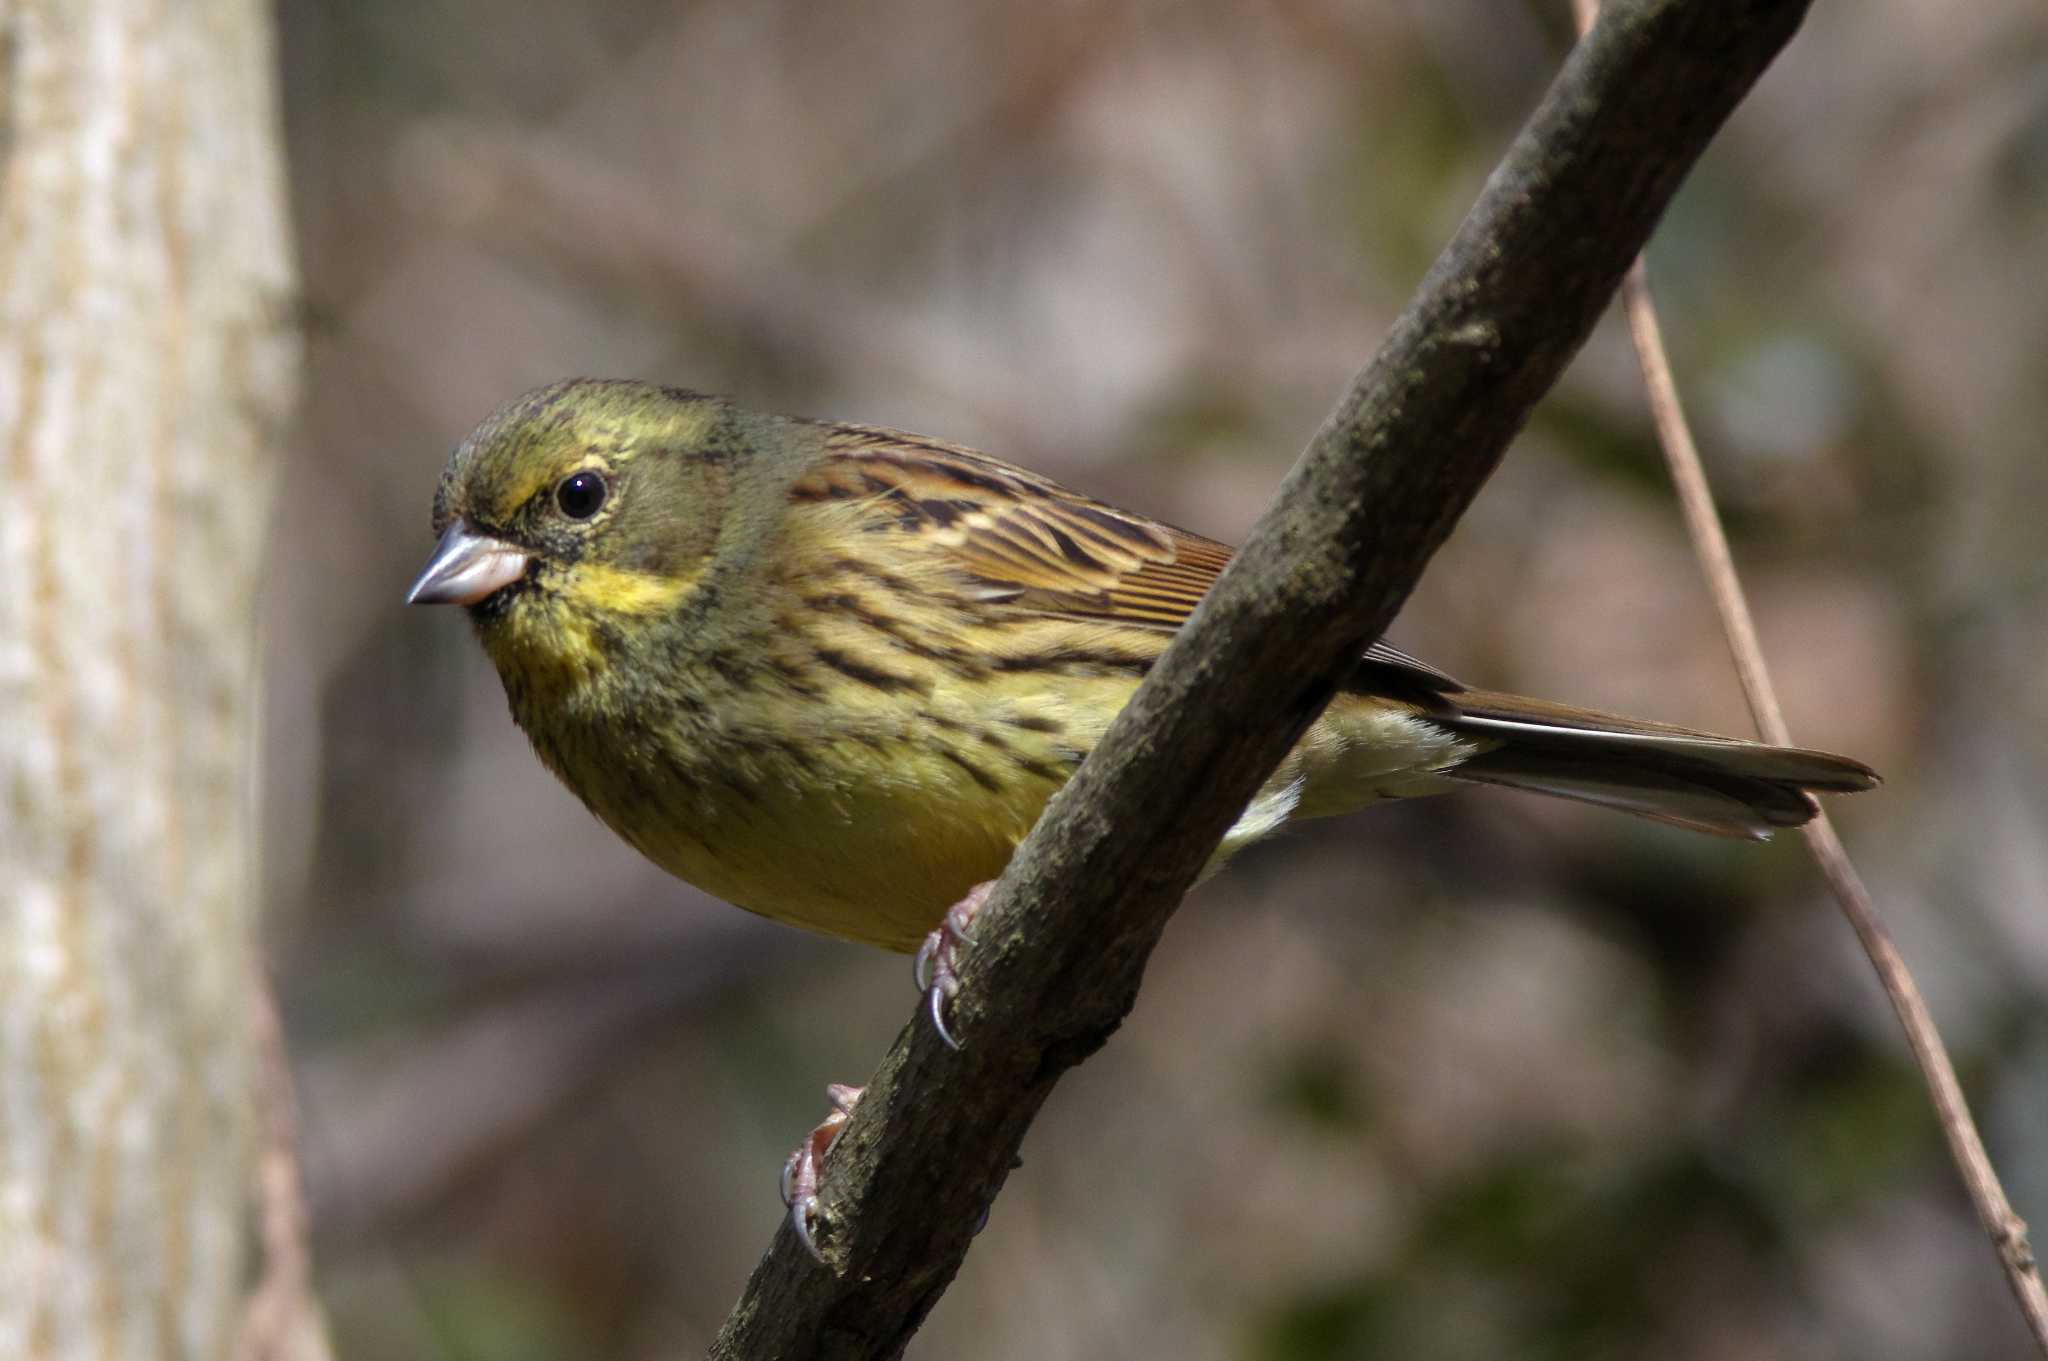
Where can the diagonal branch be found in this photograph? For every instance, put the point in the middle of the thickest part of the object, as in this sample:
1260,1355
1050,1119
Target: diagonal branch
1064,939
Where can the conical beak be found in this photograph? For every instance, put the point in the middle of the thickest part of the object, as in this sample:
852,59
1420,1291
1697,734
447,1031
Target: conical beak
466,567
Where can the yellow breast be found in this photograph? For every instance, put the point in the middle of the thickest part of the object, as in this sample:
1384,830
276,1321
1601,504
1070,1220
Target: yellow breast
857,769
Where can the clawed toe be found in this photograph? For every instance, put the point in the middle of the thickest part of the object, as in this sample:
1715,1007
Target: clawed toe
805,1168
936,972
935,968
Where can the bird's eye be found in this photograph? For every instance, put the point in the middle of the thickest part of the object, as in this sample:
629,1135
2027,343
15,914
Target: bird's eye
579,495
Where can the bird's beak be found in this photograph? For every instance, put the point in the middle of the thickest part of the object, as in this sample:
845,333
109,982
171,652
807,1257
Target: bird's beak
466,567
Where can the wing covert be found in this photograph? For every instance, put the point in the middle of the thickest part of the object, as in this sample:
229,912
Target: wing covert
1025,540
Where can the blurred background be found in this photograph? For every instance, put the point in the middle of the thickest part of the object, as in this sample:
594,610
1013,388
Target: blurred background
1476,1076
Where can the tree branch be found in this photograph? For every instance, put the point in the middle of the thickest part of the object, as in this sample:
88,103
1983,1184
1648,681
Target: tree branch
1063,941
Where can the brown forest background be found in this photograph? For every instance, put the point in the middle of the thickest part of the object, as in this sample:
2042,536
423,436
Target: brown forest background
1474,1076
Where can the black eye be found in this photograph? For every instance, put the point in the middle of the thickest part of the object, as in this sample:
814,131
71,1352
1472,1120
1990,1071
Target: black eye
580,494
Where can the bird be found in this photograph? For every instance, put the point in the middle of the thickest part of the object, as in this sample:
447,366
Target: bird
831,673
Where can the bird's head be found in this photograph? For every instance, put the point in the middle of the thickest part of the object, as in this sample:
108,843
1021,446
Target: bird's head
574,512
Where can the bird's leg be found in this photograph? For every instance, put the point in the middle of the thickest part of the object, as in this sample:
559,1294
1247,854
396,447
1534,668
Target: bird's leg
806,1166
937,979
934,970
936,958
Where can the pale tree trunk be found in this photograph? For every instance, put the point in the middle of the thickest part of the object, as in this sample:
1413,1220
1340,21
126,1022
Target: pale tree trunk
148,362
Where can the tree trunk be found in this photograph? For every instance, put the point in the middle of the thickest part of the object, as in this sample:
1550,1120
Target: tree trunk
148,361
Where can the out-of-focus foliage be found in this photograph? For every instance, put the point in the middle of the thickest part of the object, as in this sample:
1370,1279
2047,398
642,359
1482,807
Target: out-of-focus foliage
1480,1076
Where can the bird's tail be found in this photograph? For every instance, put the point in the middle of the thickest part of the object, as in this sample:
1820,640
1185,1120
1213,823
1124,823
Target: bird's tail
1675,775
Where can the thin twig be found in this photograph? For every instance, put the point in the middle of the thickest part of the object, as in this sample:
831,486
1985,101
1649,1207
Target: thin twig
2007,1230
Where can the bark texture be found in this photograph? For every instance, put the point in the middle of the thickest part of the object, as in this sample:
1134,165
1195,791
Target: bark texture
148,361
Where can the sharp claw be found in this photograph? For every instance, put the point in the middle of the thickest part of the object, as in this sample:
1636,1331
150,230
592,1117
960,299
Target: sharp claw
804,1168
960,916
938,1011
933,968
800,1212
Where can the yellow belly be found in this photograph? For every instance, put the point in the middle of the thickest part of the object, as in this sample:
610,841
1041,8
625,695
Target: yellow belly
878,848
867,815
866,826
881,870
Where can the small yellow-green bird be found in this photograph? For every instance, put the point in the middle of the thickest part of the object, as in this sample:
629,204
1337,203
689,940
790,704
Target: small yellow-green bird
832,673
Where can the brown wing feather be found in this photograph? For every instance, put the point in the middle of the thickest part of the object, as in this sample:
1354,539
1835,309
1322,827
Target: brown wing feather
1027,541
1023,542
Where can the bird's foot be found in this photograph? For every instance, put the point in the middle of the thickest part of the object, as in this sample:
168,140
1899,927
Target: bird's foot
934,968
806,1166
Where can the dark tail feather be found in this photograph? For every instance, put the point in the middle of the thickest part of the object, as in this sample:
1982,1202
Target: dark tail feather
1675,775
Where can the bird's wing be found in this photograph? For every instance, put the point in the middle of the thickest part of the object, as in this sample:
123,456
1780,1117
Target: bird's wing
1025,541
